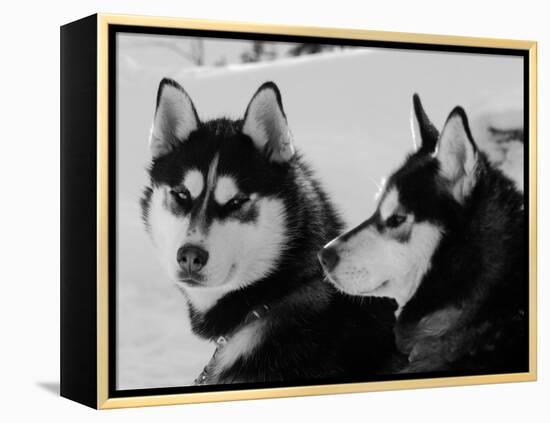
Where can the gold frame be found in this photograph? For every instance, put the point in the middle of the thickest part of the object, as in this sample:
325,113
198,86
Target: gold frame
103,401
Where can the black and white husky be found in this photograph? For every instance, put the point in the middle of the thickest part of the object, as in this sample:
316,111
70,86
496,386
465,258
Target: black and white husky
238,219
447,242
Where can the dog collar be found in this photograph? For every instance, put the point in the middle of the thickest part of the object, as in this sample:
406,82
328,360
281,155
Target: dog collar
206,376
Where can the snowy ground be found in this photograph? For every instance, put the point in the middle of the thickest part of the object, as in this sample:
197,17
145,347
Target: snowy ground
349,112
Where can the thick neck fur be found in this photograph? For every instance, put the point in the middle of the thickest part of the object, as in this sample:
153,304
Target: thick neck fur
477,274
310,225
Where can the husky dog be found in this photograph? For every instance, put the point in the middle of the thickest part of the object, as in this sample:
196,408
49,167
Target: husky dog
448,243
238,219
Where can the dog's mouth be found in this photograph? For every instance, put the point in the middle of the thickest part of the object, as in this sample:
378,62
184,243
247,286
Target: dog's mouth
377,289
190,279
332,279
196,280
190,282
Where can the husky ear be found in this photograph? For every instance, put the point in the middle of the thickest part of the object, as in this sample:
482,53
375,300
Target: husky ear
425,134
265,123
457,154
175,118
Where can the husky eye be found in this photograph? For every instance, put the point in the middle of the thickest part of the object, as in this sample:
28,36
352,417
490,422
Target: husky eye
395,220
181,195
237,202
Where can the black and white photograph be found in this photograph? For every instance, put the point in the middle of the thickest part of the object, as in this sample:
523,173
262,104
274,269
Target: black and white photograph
302,212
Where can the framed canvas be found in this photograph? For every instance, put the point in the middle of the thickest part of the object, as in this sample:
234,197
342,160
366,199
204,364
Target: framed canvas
256,211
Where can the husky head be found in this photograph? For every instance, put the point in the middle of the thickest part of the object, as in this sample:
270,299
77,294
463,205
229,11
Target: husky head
213,206
389,254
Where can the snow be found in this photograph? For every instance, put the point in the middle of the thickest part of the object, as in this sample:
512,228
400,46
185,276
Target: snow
502,113
349,113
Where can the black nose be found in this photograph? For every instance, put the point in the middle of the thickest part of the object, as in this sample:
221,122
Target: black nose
329,258
192,258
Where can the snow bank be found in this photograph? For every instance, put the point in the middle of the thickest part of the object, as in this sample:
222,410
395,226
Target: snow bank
498,128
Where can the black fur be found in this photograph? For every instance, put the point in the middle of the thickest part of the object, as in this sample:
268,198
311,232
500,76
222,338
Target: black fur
471,309
311,331
428,132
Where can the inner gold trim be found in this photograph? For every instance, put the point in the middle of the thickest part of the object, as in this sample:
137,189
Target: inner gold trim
104,20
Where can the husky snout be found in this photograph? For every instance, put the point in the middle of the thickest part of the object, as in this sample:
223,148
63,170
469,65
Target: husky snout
192,258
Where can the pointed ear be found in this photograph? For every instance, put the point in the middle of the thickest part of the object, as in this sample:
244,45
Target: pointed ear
265,123
425,134
457,154
175,118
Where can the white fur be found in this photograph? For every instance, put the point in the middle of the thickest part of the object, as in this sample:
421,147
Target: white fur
265,123
455,153
413,264
381,187
415,130
243,253
167,229
194,182
372,264
239,253
240,345
204,297
174,120
225,190
457,157
390,203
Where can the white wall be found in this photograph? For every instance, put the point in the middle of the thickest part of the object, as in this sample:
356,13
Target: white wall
29,94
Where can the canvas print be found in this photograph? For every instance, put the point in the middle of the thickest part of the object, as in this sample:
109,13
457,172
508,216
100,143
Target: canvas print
295,212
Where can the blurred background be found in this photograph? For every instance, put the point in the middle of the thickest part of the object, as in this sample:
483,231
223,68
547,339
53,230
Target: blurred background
349,111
